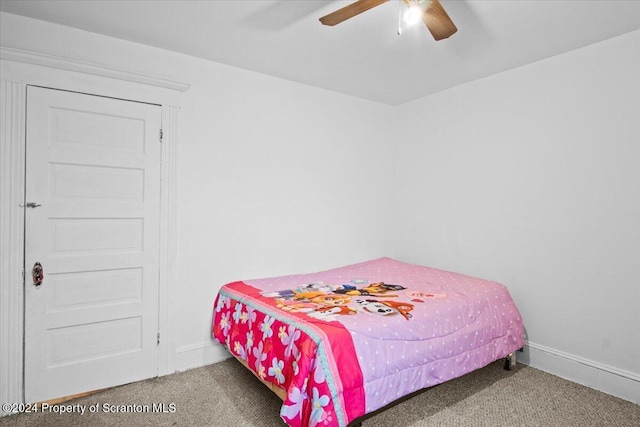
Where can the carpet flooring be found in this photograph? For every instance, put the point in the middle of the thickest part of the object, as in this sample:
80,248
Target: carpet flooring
226,394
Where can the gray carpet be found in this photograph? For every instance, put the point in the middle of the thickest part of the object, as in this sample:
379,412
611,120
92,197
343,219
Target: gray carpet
226,394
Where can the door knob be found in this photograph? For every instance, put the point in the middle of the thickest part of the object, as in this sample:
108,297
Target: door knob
38,274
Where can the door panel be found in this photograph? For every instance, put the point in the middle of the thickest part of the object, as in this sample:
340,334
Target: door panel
93,164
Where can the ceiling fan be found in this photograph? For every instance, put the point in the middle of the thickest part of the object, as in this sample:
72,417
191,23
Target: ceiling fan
434,16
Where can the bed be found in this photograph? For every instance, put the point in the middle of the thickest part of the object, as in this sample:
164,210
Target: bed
339,344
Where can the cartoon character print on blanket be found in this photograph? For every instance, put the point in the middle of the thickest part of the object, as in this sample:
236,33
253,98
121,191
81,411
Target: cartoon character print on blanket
386,308
330,302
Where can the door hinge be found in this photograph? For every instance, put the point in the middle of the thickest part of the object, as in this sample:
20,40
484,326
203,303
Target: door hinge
161,135
158,336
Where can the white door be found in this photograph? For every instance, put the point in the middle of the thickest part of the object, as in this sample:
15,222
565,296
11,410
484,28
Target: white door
93,167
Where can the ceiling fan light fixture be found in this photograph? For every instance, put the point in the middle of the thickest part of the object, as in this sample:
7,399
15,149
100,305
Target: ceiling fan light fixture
433,15
413,14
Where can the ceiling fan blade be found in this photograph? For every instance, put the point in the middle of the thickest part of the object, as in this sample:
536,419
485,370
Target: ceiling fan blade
437,21
350,11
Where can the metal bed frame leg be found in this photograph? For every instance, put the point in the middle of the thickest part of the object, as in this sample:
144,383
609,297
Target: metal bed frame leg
510,361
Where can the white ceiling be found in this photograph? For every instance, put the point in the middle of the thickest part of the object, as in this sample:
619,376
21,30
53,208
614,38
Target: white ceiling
363,56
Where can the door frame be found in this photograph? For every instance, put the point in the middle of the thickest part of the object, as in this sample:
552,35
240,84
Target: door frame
19,69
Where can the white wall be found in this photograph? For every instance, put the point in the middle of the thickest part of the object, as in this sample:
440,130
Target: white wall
275,178
532,178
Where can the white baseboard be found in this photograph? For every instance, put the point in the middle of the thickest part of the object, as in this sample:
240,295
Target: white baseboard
197,355
610,380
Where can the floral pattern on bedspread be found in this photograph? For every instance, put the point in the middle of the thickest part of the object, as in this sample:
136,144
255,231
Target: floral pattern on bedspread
288,355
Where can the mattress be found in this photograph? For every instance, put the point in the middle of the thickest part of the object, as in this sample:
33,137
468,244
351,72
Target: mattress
342,343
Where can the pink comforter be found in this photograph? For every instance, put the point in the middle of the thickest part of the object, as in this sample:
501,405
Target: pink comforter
348,341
